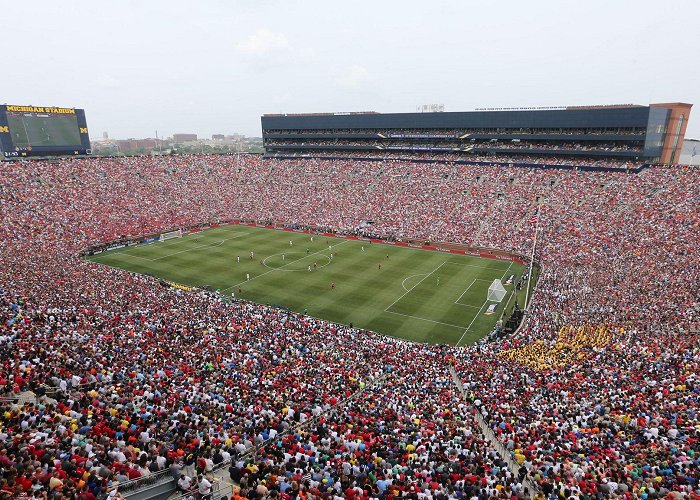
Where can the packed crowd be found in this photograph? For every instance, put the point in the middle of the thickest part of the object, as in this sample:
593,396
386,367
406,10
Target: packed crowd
466,157
597,395
396,144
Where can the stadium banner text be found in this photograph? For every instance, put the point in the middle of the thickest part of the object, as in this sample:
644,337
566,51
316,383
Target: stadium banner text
39,109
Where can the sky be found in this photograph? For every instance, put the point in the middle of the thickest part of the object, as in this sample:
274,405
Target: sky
215,66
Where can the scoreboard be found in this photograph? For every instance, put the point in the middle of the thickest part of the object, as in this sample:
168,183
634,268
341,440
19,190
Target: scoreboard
42,131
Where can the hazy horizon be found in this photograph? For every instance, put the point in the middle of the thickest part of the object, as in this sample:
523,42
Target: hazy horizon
217,66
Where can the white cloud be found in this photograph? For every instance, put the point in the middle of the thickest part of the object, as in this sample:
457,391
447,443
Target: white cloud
354,76
107,81
262,42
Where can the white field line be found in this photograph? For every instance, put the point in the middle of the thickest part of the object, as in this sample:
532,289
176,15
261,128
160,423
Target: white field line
478,267
425,319
161,244
477,312
403,283
278,268
191,237
408,291
457,302
208,245
216,244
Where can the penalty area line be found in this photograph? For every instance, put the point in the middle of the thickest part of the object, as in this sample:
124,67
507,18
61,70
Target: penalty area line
479,311
408,291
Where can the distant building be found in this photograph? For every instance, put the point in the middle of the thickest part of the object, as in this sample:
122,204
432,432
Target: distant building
129,145
218,137
181,138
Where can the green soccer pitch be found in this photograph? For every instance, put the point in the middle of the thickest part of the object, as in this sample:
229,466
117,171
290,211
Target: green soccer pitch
420,295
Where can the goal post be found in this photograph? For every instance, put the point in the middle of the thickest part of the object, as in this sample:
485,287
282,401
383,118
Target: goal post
170,235
496,291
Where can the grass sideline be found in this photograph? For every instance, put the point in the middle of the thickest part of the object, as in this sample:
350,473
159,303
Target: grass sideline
420,295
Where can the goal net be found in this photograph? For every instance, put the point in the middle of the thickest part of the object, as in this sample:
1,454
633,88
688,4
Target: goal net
496,291
170,235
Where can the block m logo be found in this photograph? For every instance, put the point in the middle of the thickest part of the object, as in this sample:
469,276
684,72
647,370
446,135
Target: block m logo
83,130
5,129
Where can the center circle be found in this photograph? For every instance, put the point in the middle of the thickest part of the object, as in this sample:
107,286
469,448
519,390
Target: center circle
295,265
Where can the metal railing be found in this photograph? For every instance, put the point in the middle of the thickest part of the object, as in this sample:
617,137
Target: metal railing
491,437
219,489
155,478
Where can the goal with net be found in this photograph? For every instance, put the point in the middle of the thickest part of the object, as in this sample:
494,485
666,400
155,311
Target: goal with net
170,235
496,291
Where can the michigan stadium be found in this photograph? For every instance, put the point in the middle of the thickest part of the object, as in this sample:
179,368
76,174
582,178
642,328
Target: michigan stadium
497,303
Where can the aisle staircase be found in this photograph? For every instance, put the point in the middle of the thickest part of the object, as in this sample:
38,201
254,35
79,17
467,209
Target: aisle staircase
488,433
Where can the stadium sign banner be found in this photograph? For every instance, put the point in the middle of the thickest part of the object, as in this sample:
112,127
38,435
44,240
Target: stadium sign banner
419,148
114,247
422,136
27,131
38,109
491,309
182,287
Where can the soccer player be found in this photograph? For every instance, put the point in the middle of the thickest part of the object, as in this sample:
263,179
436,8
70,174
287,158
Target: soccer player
379,266
312,239
282,256
314,265
247,276
309,267
438,280
238,259
363,248
290,243
252,254
332,285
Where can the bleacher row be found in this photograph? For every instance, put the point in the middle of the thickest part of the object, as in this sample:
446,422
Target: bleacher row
595,396
466,156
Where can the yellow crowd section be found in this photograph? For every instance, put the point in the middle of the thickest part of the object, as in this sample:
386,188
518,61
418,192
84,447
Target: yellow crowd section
570,344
